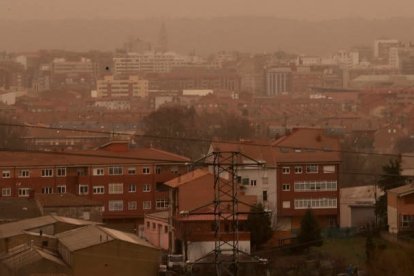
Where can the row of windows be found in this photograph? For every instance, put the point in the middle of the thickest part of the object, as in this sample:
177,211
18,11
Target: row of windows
314,186
118,205
311,168
113,188
61,172
25,192
251,182
315,203
24,173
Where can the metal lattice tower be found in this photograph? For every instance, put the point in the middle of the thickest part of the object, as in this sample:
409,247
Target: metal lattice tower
226,253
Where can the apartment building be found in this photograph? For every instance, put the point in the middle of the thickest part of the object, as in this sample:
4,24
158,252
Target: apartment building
127,181
308,164
152,61
278,80
195,79
72,73
117,86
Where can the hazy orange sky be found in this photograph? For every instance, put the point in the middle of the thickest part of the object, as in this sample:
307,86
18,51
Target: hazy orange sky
299,9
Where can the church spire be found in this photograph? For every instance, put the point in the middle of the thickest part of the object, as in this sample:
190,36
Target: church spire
163,39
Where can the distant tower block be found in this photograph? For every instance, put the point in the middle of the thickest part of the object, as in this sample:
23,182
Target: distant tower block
163,39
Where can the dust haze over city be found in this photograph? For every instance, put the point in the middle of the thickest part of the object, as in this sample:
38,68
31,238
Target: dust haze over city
189,137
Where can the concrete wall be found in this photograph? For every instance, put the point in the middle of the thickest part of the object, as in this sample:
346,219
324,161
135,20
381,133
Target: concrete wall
158,235
197,250
116,258
392,219
257,190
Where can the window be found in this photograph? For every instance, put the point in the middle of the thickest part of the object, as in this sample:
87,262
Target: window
329,169
312,168
145,170
132,188
98,190
24,173
161,204
407,221
98,171
116,188
265,180
6,192
316,203
253,182
285,170
165,229
132,171
24,192
245,181
61,172
115,205
158,170
61,189
286,204
47,172
174,169
315,186
6,174
115,170
146,188
83,189
148,224
47,190
132,205
298,169
146,205
286,187
264,194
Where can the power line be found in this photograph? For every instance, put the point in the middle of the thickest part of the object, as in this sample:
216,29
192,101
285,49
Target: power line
201,140
159,162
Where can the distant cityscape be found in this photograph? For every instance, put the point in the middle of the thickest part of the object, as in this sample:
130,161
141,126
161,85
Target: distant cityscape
128,151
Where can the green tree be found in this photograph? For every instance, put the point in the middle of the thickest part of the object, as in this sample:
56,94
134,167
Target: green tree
172,128
182,130
391,178
369,247
259,225
310,232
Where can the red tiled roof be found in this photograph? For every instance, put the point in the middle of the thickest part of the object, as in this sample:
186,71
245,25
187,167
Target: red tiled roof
87,157
257,150
307,145
187,178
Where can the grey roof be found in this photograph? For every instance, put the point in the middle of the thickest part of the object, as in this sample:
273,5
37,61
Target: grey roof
28,255
83,237
19,227
92,235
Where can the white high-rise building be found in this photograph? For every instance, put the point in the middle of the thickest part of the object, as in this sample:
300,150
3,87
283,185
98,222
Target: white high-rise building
152,62
277,80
